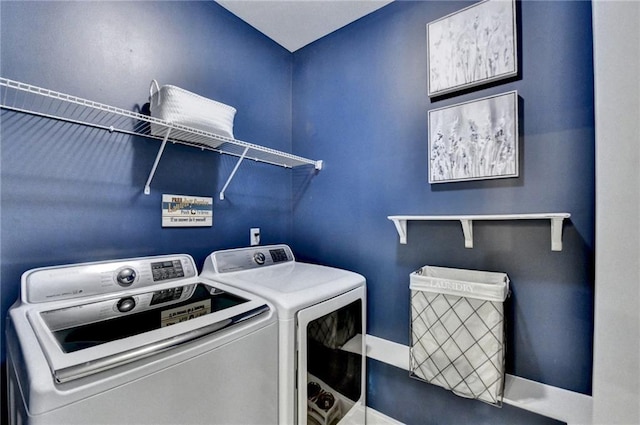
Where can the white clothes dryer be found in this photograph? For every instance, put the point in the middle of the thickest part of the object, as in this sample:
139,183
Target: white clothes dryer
139,341
322,323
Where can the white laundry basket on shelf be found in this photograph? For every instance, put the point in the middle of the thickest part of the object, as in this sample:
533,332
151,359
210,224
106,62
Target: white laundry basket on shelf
178,106
457,330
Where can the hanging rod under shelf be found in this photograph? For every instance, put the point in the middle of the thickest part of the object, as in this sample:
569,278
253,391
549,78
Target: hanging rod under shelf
26,98
556,219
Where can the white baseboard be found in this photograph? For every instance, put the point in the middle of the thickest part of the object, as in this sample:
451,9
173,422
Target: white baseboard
376,418
553,402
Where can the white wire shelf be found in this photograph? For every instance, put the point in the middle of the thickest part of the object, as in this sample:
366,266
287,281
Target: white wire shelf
29,99
556,220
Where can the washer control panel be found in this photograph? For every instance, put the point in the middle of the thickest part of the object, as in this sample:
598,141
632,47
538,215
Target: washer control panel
233,260
79,315
170,269
87,279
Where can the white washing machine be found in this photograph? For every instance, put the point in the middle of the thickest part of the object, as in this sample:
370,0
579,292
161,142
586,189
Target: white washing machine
322,316
139,341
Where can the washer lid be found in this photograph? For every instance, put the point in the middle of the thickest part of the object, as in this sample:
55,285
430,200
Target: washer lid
288,284
79,340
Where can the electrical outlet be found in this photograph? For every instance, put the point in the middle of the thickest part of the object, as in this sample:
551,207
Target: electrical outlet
254,237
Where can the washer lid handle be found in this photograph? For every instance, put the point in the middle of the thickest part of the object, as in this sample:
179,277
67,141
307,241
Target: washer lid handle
99,365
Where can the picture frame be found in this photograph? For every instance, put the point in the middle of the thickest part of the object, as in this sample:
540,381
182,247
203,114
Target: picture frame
471,47
474,140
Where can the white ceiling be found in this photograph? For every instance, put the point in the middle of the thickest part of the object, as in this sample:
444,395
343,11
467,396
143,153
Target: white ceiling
295,23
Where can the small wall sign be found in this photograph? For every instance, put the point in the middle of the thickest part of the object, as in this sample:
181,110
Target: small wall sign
186,211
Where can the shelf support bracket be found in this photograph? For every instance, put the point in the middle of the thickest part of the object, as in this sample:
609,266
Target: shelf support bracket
556,233
467,230
147,186
401,227
233,173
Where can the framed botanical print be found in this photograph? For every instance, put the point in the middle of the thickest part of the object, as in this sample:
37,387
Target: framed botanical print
473,46
474,140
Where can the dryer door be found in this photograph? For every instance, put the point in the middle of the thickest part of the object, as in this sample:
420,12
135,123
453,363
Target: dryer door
331,361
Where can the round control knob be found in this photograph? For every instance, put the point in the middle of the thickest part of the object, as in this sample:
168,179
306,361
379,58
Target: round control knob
259,258
126,276
126,304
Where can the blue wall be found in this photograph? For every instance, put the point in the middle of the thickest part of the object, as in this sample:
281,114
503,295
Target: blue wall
356,99
360,104
72,194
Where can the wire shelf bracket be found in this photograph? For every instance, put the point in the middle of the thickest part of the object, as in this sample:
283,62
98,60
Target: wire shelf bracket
233,173
147,186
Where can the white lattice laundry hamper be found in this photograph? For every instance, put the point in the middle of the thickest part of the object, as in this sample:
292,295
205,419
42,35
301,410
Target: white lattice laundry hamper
457,330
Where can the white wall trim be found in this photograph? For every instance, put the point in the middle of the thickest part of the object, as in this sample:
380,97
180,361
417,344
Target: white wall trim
376,418
557,403
616,362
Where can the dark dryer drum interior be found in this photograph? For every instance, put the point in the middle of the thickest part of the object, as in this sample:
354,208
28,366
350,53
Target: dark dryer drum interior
332,371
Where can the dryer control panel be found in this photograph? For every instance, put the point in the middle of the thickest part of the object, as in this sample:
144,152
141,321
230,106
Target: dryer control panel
87,279
234,260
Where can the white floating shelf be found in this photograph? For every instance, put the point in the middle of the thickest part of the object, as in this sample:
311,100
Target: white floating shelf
556,220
